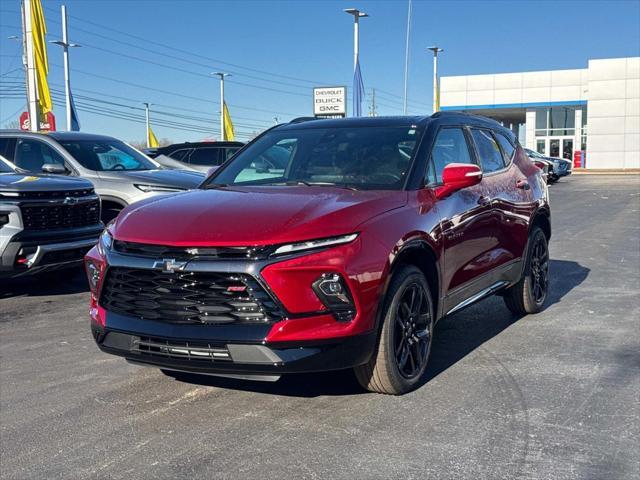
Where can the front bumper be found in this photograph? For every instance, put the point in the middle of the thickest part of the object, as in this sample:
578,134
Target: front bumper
251,359
47,250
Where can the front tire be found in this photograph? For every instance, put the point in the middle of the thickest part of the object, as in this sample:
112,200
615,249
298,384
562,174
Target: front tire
529,294
399,363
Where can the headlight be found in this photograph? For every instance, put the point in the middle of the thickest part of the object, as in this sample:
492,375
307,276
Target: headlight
158,188
104,242
313,244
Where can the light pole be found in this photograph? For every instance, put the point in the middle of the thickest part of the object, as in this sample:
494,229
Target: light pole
64,43
357,88
436,88
357,14
406,58
221,75
146,115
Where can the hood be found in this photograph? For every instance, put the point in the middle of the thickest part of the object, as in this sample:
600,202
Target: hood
168,178
18,182
248,216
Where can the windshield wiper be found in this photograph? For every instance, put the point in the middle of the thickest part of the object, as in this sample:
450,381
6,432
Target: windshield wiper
322,184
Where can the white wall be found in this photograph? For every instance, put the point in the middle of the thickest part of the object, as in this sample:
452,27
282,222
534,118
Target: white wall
514,88
613,113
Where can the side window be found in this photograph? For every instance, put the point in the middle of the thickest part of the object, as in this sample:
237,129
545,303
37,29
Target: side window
507,147
7,148
31,155
488,150
206,156
450,147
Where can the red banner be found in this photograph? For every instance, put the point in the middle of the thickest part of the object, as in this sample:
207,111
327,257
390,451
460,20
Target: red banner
48,124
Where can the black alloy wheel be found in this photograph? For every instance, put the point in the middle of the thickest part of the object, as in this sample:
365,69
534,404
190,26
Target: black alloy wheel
539,270
412,331
399,363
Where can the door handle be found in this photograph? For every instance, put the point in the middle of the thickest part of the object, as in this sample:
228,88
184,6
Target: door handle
484,200
523,184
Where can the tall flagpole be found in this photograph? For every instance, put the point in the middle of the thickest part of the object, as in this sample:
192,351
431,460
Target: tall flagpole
221,75
64,43
146,115
406,58
436,87
32,89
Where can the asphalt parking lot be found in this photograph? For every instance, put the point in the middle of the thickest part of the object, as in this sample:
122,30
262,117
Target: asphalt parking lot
550,396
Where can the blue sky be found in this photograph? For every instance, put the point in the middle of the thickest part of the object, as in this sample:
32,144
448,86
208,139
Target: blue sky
278,50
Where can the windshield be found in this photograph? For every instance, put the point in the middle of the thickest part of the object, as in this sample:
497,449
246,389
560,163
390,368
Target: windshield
361,158
533,153
107,155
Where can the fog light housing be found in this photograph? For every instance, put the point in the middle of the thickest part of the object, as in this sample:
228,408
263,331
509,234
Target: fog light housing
93,275
333,292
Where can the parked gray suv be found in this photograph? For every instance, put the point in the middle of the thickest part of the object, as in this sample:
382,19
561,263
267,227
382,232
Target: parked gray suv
121,174
47,222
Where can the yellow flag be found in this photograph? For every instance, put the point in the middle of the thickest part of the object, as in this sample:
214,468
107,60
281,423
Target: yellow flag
39,30
153,141
228,133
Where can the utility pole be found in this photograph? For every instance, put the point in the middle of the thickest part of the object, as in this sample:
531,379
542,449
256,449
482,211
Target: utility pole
64,43
406,59
436,87
146,114
32,89
373,112
221,75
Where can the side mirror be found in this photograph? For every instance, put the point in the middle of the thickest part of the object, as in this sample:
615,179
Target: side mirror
457,176
212,170
55,168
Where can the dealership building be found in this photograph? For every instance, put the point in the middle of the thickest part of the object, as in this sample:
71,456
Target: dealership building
593,110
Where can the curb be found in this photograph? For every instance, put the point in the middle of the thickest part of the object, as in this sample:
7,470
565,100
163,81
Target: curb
606,171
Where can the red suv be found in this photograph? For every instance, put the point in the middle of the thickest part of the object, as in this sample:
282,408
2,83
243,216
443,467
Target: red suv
343,254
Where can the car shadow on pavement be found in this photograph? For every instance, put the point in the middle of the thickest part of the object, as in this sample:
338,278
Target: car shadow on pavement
455,337
61,282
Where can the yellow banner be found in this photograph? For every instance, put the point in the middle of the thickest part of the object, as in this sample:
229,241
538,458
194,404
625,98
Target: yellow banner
228,133
39,31
153,141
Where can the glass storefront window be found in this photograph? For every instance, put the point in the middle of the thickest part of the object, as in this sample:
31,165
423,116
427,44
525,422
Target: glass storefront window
540,146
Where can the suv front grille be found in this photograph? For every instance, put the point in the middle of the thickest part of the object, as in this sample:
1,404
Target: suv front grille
203,352
57,215
156,251
188,297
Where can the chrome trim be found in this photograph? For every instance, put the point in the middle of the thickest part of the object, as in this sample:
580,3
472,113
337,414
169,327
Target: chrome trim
478,296
54,247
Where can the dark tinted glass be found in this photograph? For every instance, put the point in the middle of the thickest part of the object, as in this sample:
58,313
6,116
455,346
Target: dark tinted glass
4,168
506,145
450,147
180,154
488,150
31,155
206,156
7,147
366,158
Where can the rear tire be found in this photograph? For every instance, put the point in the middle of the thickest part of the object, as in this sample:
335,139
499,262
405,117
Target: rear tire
399,363
528,295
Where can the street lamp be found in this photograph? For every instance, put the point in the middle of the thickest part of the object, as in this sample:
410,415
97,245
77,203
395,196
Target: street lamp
357,89
64,43
221,75
357,14
436,88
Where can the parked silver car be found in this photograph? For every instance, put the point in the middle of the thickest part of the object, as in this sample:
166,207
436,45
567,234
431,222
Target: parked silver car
47,222
121,174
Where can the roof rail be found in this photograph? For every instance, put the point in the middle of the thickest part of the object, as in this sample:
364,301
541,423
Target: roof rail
303,119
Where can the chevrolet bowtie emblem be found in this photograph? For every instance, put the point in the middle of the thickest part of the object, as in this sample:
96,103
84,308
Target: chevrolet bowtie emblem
70,201
169,265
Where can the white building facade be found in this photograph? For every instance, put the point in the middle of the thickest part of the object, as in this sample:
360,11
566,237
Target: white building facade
595,110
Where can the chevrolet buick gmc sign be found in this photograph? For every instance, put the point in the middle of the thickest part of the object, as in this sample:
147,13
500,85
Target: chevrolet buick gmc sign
330,101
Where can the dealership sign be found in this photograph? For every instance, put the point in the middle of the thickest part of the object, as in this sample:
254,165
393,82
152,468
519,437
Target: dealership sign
47,124
330,101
